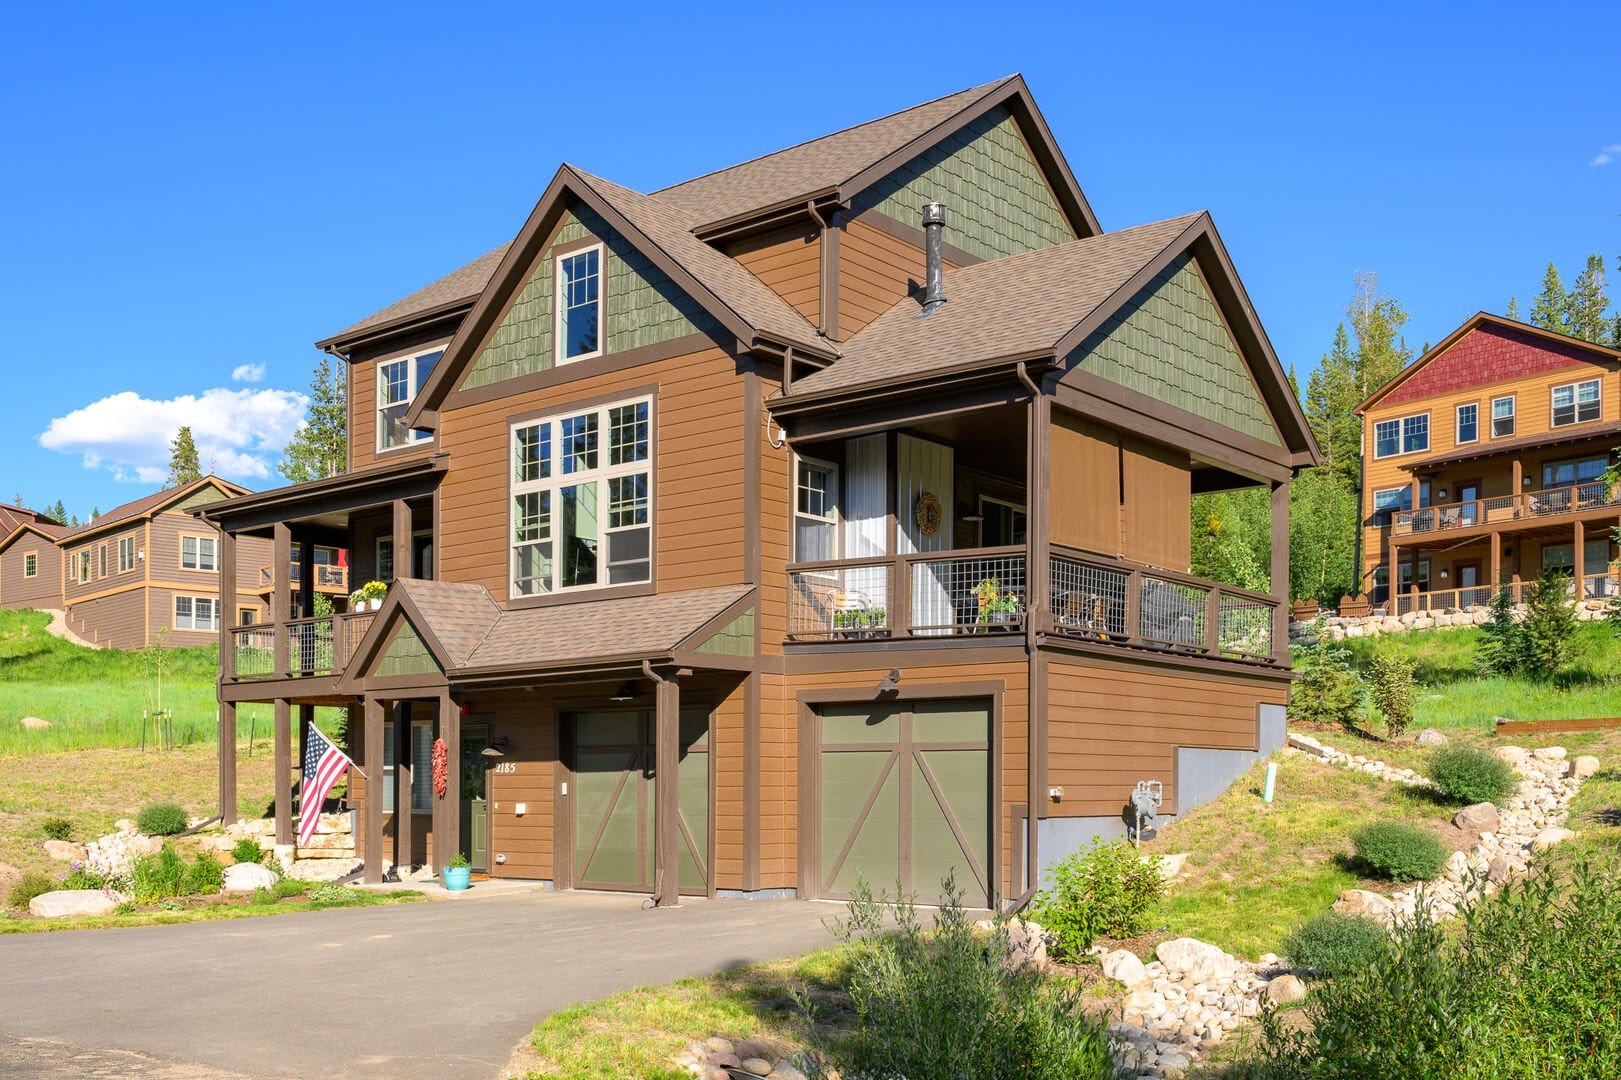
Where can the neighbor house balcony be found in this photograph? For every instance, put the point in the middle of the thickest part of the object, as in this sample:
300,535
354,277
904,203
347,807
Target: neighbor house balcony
1504,512
330,579
299,648
1596,587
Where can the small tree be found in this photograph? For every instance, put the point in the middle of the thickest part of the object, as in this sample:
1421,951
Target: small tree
1501,648
1328,690
1392,690
1549,624
183,464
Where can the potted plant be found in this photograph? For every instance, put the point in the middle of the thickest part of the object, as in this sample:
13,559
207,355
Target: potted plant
457,875
369,597
995,605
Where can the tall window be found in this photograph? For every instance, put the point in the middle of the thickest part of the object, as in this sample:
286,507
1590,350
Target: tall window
1001,523
398,383
199,553
1386,438
30,564
579,305
1423,575
1387,502
816,514
1468,423
196,613
84,567
1502,417
126,554
582,500
101,560
1576,403
421,767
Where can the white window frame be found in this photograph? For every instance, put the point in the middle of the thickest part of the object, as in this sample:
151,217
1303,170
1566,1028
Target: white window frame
1576,403
192,603
421,771
1377,424
560,341
833,516
1406,503
556,479
30,564
1457,422
412,362
1402,423
208,544
1512,417
126,554
101,560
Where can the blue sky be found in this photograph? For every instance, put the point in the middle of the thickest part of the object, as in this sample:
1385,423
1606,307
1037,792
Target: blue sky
191,192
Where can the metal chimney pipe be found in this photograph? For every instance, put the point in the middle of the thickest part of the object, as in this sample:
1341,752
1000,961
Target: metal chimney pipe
934,227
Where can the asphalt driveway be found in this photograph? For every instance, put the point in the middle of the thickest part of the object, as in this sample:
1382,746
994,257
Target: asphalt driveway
432,990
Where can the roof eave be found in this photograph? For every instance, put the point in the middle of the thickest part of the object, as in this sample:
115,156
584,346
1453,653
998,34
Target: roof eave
796,404
346,342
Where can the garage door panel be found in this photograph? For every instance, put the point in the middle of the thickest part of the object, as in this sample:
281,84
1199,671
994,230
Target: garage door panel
860,823
962,779
611,837
850,724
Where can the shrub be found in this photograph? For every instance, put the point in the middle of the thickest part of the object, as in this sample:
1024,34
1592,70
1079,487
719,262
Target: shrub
125,908
1524,988
161,819
83,877
1335,944
1328,690
158,877
289,887
247,850
1391,686
32,884
330,892
945,1004
205,875
1469,774
57,828
1500,650
262,897
1107,889
1399,851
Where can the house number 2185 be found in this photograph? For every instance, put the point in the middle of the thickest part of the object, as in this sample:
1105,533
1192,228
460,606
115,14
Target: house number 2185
506,766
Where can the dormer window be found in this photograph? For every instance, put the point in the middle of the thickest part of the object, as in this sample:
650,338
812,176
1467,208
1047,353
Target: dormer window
579,305
398,383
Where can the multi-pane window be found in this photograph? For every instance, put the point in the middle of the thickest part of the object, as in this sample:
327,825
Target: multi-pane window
1386,438
582,500
1567,473
1408,435
30,564
1576,403
199,553
1468,422
126,553
1423,575
398,383
1502,417
816,512
579,305
196,613
421,767
1387,502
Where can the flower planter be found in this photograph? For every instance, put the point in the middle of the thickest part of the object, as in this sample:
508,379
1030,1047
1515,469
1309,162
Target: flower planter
456,878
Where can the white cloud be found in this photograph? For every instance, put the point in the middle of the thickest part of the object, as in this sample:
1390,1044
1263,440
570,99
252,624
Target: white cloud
1608,154
240,432
248,373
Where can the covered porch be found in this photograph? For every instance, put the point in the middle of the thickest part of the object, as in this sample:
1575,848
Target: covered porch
1462,570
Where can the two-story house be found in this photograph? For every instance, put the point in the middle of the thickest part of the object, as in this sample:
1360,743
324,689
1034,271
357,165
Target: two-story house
30,561
1483,464
826,515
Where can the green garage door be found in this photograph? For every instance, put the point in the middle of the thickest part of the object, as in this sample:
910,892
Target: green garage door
905,796
614,786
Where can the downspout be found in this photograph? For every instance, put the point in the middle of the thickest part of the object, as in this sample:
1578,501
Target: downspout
787,370
1033,748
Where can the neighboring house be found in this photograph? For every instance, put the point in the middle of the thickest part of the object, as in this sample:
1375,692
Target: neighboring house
1483,464
13,516
709,486
30,561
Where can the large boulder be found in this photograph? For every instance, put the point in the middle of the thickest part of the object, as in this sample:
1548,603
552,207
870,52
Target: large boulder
1284,989
1430,737
1547,838
1196,960
246,877
1550,753
1513,755
34,723
65,851
1584,766
66,902
1363,902
1123,967
1480,818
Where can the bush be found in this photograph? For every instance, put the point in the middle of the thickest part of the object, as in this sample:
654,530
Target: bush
1107,890
1335,944
1328,690
1469,774
1549,625
205,875
286,888
1523,989
330,892
1391,685
32,884
1501,649
247,850
57,828
82,877
1398,851
946,1004
262,897
161,819
158,877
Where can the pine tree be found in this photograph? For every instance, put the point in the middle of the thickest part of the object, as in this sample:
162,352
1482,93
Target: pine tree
1513,308
183,466
1586,302
57,512
1548,310
1322,537
1332,393
1381,352
95,512
319,448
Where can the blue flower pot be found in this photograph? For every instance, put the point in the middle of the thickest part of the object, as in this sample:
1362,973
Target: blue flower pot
456,877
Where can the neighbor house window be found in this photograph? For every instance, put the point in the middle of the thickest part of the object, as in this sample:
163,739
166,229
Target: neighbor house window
1576,403
1468,423
398,383
101,562
1502,417
196,613
30,564
1387,502
199,553
1423,576
84,567
582,500
816,511
421,766
579,305
126,554
1568,473
248,616
1386,438
1001,523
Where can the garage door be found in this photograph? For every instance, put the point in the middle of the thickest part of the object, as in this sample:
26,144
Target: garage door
905,793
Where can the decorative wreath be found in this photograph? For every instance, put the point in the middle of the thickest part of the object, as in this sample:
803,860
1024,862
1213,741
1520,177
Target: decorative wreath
928,513
441,767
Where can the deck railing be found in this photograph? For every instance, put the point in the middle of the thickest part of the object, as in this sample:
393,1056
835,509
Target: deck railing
328,577
1527,506
320,646
1594,587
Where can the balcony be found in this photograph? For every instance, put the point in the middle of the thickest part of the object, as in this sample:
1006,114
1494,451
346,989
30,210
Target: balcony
982,593
330,579
315,647
1594,587
1509,511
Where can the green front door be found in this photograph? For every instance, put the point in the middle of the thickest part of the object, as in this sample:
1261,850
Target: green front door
905,798
475,817
614,788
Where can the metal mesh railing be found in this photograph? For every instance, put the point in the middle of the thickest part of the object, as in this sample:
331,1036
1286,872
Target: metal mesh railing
973,594
1172,612
1245,628
1089,599
310,644
840,602
254,651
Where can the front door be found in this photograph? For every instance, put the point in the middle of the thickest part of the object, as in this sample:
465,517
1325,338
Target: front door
614,793
1469,498
475,816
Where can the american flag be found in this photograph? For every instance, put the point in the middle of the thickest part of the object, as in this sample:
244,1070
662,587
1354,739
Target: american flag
323,764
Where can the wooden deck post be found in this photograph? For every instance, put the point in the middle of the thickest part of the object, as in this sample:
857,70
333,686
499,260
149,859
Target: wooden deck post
283,726
281,603
403,556
667,792
372,751
402,785
1496,579
227,605
227,761
1392,576
1280,572
306,719
447,811
1580,564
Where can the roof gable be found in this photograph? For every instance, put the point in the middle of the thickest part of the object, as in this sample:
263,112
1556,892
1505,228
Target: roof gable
158,501
49,533
405,653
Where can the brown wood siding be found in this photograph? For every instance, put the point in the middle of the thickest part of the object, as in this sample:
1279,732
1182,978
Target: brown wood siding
1157,484
789,262
529,724
698,498
117,621
726,797
1085,493
1111,724
363,404
875,271
113,579
776,541
44,589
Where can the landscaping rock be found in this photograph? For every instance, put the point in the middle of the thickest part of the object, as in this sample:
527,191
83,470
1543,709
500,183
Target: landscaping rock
1027,946
1499,870
1285,988
757,1066
1123,967
246,877
1430,737
34,723
1547,838
1513,755
1550,753
718,1045
1584,766
1197,961
65,851
66,902
1171,865
1363,902
1480,818
785,1071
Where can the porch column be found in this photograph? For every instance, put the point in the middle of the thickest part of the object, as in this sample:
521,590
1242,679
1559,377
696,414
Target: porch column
447,811
402,540
402,783
1496,579
372,829
283,727
1516,485
227,605
1392,576
281,603
1580,564
667,792
227,761
1280,571
306,578
1038,604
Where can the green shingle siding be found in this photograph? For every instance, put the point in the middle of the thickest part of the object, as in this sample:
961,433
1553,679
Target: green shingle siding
406,654
200,497
736,638
997,201
1170,343
643,307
